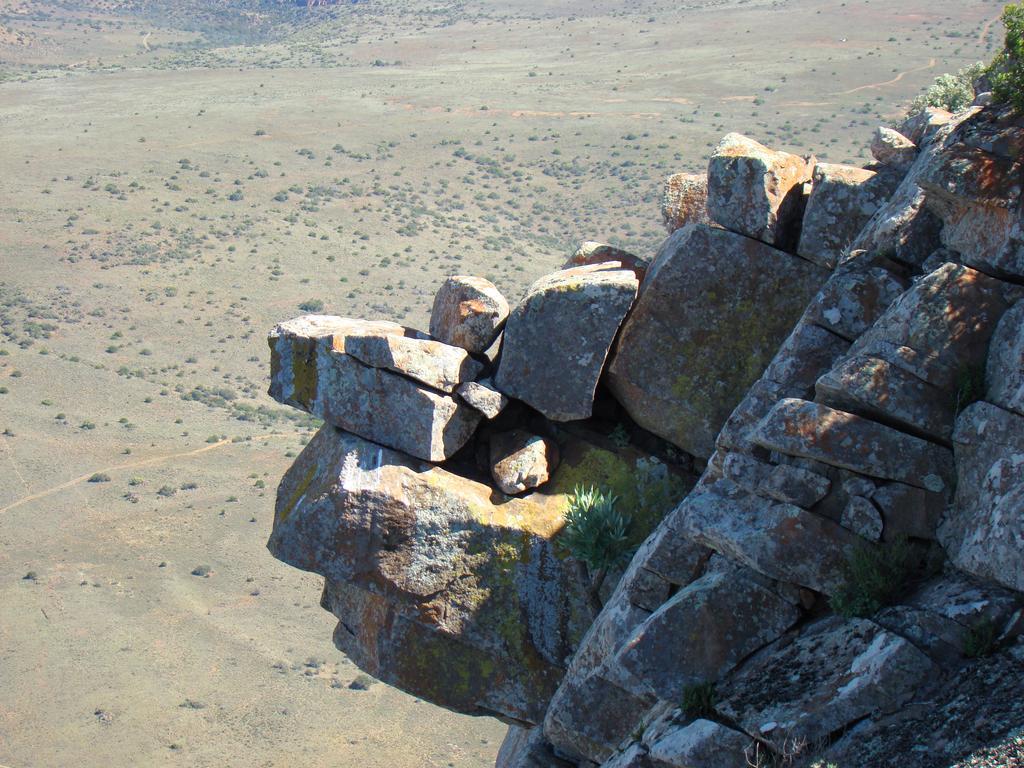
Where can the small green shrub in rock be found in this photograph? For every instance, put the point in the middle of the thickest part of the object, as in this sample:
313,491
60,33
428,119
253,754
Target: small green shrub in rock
595,532
980,640
1007,71
699,700
874,576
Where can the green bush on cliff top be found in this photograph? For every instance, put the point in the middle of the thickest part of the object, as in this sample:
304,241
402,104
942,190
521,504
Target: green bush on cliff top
1007,71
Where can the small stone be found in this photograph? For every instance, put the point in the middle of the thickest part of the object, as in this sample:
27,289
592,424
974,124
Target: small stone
482,396
590,252
862,517
892,148
684,200
521,461
755,191
468,312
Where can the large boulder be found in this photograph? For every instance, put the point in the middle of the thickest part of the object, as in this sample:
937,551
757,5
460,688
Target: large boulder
558,336
468,312
712,312
974,186
438,589
756,191
843,198
311,370
684,200
983,531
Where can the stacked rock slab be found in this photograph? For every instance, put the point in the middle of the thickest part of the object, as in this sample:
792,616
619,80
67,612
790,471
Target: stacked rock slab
853,404
389,404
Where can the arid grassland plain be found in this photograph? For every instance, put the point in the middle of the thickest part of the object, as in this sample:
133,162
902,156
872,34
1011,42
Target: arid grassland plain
176,177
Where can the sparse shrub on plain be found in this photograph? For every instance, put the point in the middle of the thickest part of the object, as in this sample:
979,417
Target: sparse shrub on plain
312,305
875,574
1007,71
99,477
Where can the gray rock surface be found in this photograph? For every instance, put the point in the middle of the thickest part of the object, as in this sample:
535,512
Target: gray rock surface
717,305
840,439
468,312
843,198
1004,372
702,632
756,191
983,531
833,674
558,336
311,371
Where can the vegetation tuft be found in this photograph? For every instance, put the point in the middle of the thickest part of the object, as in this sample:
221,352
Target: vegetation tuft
596,534
1007,71
980,640
699,699
874,576
951,91
970,387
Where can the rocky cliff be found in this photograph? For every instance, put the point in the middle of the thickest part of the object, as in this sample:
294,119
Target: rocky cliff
809,408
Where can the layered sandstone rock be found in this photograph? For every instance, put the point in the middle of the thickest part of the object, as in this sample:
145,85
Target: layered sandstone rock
311,370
